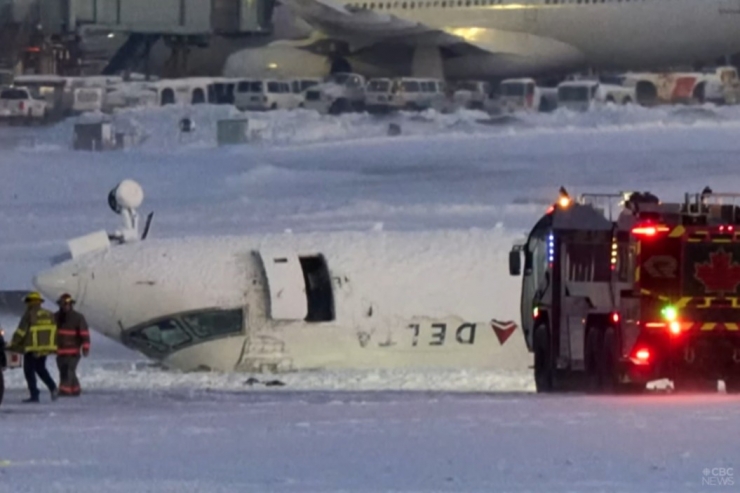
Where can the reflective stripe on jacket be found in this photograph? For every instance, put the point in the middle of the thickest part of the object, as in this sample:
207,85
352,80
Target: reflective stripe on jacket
72,333
36,333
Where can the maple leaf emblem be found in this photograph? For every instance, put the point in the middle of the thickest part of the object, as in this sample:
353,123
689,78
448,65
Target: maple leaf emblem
720,275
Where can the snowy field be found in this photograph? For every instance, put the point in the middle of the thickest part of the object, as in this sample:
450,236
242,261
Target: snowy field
138,428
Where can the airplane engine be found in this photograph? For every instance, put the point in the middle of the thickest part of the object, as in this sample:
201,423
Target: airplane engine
285,302
277,61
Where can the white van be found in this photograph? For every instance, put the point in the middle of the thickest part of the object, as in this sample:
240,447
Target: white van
583,95
472,94
525,95
264,95
182,91
413,93
299,87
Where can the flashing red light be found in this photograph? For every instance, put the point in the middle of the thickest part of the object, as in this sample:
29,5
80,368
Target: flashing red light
615,317
649,230
550,209
643,355
675,327
655,325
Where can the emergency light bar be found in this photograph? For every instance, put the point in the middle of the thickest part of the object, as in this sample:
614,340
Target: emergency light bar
649,230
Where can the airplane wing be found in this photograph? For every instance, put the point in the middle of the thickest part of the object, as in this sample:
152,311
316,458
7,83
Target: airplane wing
361,28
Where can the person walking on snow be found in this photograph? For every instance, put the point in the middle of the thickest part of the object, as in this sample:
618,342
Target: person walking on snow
36,339
72,335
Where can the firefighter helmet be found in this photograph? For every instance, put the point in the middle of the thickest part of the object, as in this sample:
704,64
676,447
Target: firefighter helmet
33,296
65,298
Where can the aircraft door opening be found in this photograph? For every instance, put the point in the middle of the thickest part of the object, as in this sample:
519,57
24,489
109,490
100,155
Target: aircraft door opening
300,288
319,294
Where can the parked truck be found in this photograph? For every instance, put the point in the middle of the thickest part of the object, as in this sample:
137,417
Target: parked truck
18,105
612,304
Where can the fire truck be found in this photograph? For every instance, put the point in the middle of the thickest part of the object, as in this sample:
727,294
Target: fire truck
611,303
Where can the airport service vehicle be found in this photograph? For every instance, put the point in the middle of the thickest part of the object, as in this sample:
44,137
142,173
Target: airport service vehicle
264,95
339,93
18,104
289,302
524,95
611,305
380,95
299,87
584,95
472,94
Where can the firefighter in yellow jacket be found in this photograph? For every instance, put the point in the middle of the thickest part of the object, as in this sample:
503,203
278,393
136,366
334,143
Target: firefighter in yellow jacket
36,339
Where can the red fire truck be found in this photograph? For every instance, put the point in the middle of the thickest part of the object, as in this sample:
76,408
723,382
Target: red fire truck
610,304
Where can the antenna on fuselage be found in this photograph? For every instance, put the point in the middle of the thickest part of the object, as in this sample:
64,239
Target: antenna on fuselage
124,200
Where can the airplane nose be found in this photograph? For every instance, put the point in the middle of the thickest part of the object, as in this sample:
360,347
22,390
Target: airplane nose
57,281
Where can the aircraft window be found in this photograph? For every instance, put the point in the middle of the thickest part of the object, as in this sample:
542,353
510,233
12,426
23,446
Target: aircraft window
214,323
163,336
178,331
411,5
403,5
372,6
444,5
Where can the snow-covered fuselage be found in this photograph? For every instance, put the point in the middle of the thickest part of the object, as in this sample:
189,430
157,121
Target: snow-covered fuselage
296,302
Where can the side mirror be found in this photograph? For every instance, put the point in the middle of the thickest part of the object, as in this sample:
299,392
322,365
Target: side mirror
515,262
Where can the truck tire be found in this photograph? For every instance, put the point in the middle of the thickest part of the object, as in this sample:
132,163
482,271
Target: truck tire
694,385
544,372
593,350
608,362
732,385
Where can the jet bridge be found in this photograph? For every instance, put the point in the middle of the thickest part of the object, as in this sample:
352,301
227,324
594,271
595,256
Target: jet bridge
182,24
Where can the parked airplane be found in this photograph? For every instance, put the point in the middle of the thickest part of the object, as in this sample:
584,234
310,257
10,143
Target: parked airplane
484,39
295,302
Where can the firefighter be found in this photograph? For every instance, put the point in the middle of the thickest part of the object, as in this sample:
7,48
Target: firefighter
72,335
36,339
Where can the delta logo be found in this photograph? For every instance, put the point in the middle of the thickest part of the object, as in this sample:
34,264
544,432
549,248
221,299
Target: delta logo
720,274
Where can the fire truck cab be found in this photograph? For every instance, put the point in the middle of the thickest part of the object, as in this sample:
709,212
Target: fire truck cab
612,304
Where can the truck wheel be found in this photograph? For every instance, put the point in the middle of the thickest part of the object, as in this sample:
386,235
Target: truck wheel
593,345
339,106
544,374
689,384
608,362
732,385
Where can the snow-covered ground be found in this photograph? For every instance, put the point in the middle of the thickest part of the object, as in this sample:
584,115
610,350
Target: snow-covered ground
138,428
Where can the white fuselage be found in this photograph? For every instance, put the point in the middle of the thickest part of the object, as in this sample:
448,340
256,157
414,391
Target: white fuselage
398,300
533,37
